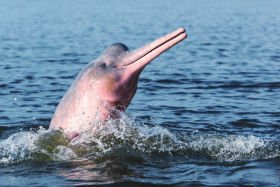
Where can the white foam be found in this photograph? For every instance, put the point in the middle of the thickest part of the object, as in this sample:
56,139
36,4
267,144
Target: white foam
27,145
125,133
232,147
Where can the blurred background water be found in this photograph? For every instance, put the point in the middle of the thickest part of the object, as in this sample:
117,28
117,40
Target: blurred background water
206,112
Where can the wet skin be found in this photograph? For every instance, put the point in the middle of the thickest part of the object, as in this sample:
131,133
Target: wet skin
106,84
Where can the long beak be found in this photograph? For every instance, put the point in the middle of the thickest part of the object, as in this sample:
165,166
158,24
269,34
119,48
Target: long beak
139,58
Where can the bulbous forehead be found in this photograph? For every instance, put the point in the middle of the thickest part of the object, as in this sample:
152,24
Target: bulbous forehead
115,50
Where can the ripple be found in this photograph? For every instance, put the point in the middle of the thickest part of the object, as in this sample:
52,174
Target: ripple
169,81
214,96
250,123
4,85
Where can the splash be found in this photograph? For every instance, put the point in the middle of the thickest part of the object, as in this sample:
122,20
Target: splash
232,147
155,140
124,132
42,145
103,139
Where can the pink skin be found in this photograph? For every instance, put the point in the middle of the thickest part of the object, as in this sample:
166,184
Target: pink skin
106,84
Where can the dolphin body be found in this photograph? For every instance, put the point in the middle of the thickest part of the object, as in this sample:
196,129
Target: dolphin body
106,84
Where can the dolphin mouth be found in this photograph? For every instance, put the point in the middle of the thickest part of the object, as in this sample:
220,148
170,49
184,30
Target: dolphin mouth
139,58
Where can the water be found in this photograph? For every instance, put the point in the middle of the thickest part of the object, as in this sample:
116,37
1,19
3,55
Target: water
206,112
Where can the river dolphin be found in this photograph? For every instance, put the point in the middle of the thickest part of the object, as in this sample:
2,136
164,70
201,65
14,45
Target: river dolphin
106,84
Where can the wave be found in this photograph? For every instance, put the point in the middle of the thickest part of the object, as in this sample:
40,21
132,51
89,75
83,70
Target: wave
127,135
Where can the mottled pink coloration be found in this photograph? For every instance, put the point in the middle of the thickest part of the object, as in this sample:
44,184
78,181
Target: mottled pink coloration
106,84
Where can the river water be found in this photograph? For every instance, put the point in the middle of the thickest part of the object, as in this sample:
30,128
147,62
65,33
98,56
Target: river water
206,112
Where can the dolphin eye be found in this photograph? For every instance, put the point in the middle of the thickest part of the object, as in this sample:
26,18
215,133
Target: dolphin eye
103,65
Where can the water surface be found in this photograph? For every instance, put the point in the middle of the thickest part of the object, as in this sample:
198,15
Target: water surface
206,112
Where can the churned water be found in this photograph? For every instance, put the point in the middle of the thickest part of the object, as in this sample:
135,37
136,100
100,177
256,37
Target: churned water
206,112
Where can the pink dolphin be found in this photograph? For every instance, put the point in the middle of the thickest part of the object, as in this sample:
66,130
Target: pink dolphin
106,84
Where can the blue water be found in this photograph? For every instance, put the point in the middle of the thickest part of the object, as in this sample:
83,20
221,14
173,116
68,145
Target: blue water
206,112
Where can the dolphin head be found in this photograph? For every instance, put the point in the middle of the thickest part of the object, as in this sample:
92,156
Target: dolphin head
114,74
116,84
